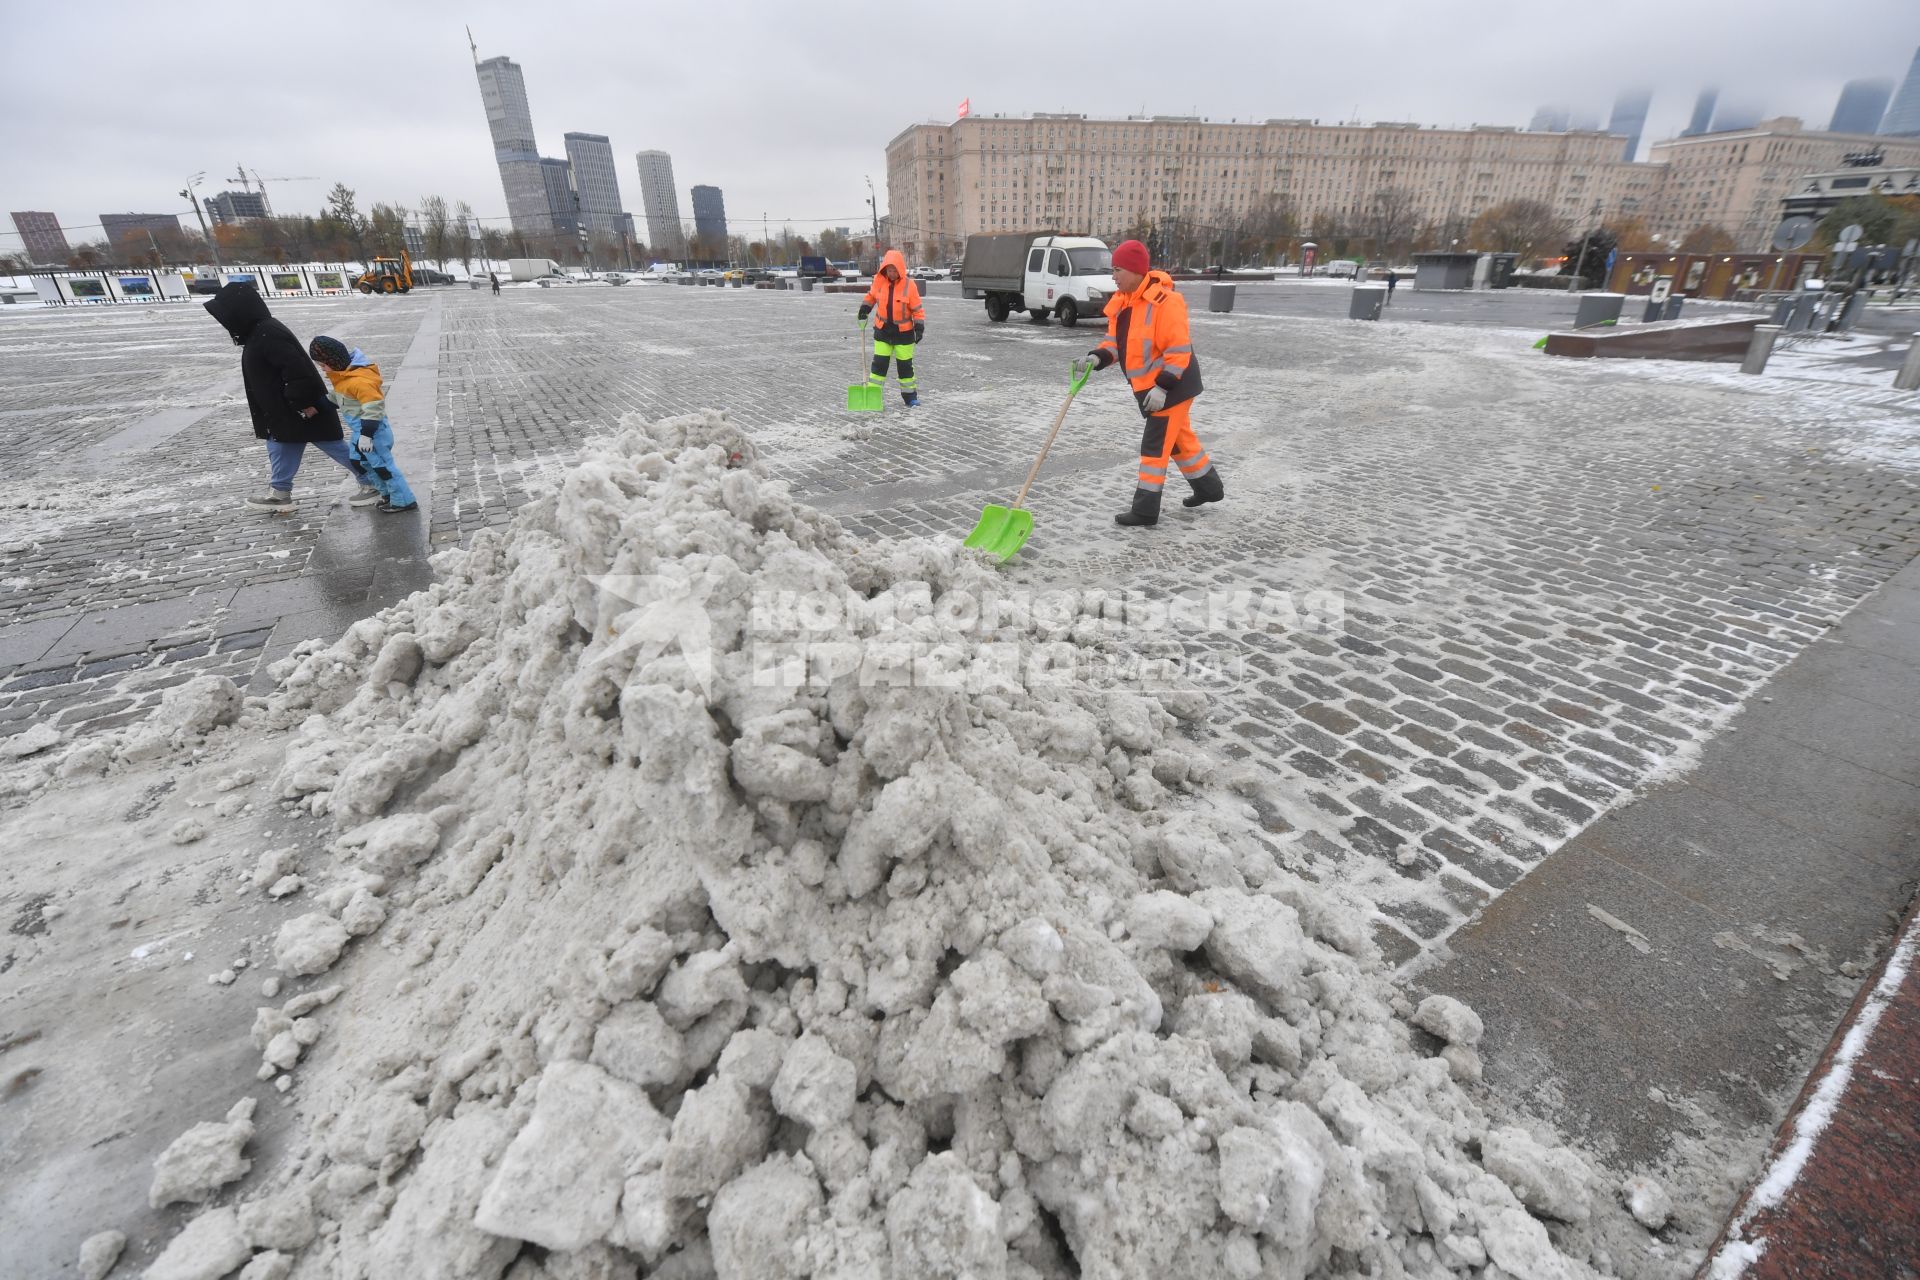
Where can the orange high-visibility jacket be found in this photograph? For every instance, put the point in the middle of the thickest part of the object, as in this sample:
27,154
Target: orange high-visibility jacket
896,304
1147,333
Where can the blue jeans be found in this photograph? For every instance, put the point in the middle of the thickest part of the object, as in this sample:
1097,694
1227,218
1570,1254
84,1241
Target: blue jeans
379,468
283,460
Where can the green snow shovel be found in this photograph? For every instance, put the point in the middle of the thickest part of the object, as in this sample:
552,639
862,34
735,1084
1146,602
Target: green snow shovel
865,398
1001,531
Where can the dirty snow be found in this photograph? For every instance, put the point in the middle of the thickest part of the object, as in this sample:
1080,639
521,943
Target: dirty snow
721,972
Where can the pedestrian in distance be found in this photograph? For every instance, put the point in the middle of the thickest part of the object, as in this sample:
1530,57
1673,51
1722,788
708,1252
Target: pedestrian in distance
362,400
496,283
1393,278
1147,336
899,322
286,398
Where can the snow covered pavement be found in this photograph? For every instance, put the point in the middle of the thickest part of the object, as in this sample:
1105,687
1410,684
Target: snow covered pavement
1459,601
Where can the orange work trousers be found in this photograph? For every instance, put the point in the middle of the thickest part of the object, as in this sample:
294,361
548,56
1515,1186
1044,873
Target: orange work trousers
1169,437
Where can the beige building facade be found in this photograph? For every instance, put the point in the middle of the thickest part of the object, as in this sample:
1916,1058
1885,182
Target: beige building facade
993,173
946,182
1738,179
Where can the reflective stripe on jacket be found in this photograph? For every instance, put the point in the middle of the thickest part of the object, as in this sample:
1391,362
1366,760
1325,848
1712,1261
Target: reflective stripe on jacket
1147,333
896,303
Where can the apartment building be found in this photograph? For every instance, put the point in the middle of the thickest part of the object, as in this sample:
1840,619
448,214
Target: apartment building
994,173
1738,179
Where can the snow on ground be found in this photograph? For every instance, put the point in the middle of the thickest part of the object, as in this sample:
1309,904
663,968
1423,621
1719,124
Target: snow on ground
705,948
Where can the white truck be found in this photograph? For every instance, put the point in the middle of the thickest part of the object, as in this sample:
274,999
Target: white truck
1039,273
524,269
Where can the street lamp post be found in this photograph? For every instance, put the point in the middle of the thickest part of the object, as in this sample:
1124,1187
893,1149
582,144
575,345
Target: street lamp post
188,195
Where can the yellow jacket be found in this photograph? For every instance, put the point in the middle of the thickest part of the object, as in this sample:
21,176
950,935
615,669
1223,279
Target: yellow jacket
358,389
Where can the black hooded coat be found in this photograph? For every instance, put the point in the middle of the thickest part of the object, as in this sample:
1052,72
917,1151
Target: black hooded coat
280,380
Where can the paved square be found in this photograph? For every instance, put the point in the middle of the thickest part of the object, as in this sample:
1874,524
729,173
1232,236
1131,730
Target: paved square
1552,579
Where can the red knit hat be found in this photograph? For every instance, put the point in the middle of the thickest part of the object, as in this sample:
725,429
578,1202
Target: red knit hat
1131,255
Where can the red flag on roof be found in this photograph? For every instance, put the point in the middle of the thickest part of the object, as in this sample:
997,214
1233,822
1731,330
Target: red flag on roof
966,108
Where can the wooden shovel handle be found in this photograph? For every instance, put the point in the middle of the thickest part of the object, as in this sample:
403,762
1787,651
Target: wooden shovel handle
1058,418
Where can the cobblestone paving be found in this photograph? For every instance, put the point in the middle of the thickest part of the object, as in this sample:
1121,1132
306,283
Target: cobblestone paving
1553,578
123,540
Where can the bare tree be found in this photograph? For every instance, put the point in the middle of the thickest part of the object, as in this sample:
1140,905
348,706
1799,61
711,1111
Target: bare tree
463,235
386,229
437,229
353,226
1526,227
1708,237
1392,217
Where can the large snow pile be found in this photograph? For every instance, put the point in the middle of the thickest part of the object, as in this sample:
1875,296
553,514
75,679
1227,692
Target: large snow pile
721,972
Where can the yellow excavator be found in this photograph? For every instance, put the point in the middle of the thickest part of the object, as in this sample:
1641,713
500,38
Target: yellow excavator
387,275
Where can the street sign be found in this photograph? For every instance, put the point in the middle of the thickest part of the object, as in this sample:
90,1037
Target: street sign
1849,238
1793,233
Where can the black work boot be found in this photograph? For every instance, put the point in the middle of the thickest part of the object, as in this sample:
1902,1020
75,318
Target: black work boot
1206,488
1145,510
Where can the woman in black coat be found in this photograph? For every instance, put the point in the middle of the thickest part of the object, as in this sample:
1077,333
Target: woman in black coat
285,393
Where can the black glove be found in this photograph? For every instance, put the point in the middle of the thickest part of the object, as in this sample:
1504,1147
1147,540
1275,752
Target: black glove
866,309
919,331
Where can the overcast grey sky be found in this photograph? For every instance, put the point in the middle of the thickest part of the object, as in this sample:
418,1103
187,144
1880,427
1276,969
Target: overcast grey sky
105,108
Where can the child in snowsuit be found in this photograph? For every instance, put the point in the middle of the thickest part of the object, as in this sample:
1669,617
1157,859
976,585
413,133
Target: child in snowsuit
899,322
361,396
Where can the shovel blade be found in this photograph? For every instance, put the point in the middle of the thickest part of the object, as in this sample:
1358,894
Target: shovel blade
866,399
1001,531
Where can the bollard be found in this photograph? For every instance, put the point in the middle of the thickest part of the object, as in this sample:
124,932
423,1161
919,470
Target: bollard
1366,302
1908,379
1598,308
806,284
1760,348
1220,298
1850,313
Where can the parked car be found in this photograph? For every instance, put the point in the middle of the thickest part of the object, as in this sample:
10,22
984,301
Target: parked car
421,275
616,277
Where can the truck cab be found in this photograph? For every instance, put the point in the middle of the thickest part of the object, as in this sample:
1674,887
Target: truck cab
1044,275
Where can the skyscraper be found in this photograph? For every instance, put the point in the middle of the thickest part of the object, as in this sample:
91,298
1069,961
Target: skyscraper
1862,103
236,206
1583,121
118,226
710,217
1735,114
1702,118
46,243
660,203
1903,117
563,203
503,91
596,181
1551,119
1630,118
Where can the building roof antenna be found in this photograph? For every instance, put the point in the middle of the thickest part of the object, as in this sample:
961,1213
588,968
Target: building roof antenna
471,45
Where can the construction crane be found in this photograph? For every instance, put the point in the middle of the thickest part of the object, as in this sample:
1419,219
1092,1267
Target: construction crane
246,184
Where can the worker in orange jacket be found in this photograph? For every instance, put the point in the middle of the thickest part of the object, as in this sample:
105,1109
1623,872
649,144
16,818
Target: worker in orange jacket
1147,336
899,321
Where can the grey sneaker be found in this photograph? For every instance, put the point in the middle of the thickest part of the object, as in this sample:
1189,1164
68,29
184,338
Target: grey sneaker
274,500
365,496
